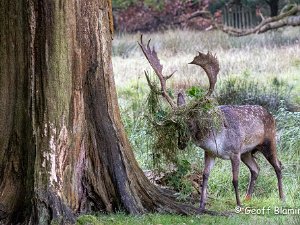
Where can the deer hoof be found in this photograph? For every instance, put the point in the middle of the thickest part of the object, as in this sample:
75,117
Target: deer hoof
200,210
282,198
248,198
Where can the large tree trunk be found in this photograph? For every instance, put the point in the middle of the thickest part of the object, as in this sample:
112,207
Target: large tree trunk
63,149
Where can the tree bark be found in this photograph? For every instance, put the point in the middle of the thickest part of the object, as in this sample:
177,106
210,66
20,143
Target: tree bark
63,148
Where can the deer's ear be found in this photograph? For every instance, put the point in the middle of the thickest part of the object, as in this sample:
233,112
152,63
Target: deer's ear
180,99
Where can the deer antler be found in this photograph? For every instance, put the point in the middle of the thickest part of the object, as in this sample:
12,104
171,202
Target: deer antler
210,65
152,58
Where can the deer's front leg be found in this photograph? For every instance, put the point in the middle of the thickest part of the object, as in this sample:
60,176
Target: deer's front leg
209,162
235,162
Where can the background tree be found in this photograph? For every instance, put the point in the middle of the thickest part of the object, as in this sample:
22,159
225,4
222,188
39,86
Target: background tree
274,7
63,148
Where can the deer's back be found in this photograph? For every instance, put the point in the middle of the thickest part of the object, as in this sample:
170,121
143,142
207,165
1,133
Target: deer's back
244,128
250,120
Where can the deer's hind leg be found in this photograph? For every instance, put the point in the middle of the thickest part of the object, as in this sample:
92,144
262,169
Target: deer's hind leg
250,162
269,151
235,163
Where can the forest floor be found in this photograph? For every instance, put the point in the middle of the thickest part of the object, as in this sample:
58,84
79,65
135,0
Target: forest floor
258,69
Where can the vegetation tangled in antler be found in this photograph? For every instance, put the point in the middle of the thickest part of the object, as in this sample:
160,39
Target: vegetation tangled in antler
165,125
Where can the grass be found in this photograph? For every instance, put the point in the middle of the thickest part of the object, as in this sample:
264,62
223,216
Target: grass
123,219
254,69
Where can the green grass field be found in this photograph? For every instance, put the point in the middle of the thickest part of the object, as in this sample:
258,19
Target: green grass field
265,68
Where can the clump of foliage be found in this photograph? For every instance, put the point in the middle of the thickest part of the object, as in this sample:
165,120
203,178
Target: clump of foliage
179,178
288,125
239,91
121,4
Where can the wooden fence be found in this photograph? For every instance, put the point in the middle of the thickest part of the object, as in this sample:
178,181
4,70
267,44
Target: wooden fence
240,17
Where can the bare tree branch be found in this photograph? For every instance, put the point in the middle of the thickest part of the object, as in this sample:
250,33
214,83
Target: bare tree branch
284,19
200,13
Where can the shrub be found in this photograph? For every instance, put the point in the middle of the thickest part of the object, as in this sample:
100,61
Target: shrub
241,91
288,125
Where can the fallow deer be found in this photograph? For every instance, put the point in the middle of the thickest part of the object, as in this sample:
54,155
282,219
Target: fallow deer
245,129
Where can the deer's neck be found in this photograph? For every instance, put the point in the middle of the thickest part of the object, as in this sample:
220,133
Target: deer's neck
210,139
